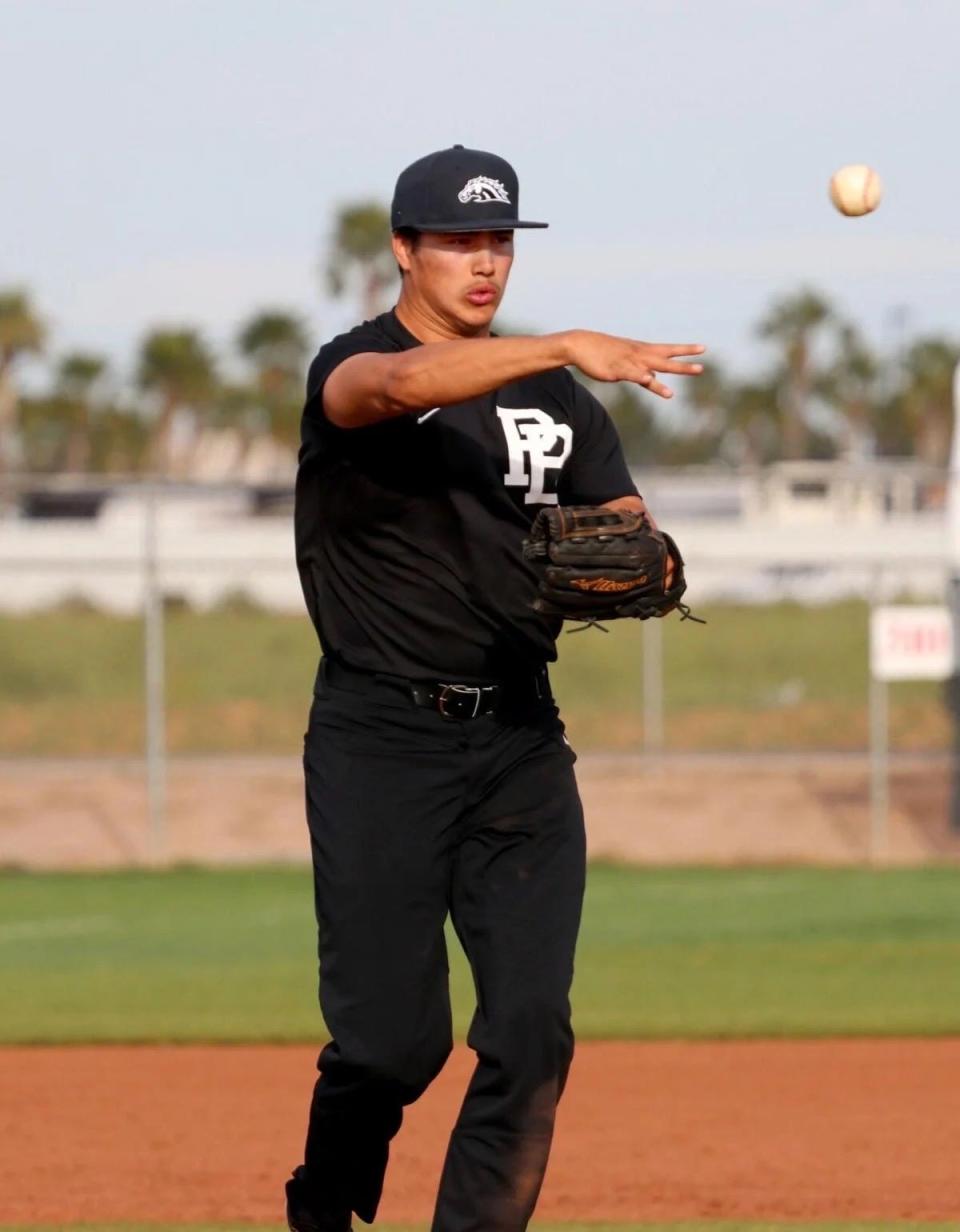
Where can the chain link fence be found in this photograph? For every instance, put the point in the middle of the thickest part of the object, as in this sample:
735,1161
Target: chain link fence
156,663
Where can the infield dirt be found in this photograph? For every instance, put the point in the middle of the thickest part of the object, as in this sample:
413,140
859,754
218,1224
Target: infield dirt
852,1129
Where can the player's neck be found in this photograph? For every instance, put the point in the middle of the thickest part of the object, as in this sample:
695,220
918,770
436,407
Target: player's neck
427,325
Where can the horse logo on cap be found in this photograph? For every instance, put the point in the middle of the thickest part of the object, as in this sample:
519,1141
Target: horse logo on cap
483,188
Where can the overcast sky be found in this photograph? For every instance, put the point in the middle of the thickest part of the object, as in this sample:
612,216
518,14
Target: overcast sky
178,161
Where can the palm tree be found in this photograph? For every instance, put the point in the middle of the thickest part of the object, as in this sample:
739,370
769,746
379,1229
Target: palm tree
707,397
276,345
21,333
739,419
360,251
927,396
640,434
77,377
851,384
753,423
793,322
78,373
176,365
119,441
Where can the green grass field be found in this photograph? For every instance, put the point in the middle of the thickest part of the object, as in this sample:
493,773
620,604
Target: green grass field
229,955
239,680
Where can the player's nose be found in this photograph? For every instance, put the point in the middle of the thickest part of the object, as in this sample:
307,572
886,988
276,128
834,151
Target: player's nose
483,263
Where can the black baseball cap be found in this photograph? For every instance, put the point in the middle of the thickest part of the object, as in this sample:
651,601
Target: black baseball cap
458,190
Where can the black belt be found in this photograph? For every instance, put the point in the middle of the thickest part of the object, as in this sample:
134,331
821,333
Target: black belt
451,699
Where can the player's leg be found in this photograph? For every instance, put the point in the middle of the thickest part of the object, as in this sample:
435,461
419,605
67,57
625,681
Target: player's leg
516,899
382,792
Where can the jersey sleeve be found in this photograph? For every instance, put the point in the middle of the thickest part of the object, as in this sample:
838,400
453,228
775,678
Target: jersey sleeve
358,341
597,471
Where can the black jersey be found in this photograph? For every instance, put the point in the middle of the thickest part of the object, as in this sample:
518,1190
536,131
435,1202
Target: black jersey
409,531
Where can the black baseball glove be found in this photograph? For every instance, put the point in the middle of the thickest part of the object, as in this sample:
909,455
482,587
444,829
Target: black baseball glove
602,564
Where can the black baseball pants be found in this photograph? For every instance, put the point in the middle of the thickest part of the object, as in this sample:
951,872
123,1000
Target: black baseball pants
412,816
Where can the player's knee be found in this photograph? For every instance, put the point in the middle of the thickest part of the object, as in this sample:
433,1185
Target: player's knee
411,1069
535,1036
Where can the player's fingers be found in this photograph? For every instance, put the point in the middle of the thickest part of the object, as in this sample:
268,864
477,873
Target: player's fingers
679,367
656,387
673,349
663,357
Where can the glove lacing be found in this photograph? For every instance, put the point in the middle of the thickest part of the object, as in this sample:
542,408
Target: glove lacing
682,608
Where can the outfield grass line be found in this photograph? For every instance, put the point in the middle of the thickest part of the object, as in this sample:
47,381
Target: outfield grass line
320,1038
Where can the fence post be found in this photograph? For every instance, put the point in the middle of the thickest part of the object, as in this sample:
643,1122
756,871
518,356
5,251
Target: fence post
879,715
951,698
652,686
153,641
952,684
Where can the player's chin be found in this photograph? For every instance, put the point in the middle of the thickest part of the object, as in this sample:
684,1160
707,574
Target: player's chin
478,316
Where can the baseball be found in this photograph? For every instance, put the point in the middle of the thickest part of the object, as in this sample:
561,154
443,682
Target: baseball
855,190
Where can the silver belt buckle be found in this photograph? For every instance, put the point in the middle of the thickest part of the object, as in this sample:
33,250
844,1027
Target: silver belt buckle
461,690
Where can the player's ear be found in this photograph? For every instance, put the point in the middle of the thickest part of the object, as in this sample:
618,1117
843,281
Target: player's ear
403,243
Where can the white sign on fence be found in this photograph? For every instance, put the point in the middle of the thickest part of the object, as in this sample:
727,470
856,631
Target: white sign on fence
911,643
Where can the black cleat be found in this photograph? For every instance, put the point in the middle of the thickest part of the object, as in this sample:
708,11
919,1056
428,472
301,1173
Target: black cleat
301,1219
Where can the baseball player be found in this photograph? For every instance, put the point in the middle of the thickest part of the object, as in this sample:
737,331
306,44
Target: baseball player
438,778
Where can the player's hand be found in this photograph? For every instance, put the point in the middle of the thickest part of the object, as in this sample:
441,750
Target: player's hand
607,358
636,504
669,573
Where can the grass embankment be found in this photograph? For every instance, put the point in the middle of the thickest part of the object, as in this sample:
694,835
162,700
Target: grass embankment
774,677
229,955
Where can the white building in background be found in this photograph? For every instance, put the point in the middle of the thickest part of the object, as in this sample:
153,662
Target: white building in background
799,493
809,531
813,493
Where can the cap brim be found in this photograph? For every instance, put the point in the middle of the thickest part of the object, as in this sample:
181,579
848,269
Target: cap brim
482,224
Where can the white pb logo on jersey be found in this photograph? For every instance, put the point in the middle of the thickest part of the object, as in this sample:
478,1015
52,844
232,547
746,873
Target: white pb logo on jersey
535,444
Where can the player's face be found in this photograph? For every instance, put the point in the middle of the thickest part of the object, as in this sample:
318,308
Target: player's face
460,278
